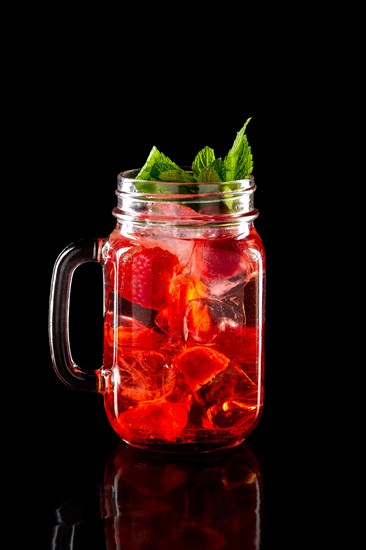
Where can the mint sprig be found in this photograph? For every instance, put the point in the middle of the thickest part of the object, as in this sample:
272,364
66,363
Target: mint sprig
237,164
239,160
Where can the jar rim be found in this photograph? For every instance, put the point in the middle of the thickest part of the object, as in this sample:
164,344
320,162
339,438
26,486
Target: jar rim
128,183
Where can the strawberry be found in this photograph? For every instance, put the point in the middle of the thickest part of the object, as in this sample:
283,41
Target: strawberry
144,276
218,258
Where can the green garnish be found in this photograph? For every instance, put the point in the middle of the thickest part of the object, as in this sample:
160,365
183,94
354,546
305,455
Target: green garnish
238,164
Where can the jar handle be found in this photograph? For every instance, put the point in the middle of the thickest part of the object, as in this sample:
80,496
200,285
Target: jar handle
74,255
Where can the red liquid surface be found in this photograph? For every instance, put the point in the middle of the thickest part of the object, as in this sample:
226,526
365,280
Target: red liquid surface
183,344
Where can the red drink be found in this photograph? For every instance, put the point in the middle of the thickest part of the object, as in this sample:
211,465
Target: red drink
184,307
183,341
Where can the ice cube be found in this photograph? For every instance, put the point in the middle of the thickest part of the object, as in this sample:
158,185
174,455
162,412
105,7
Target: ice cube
144,375
206,319
230,398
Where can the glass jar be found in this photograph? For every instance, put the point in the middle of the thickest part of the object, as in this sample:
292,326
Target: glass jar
184,314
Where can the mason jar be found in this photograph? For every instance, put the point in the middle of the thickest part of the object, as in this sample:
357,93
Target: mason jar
184,277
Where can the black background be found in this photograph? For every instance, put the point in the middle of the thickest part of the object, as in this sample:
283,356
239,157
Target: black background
89,101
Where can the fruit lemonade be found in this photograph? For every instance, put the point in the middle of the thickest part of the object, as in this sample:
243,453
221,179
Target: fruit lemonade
183,343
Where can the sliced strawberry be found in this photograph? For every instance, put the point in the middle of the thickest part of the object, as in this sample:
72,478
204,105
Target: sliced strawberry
144,276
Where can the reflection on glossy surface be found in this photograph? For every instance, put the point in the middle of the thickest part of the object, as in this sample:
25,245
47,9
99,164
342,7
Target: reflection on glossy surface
161,502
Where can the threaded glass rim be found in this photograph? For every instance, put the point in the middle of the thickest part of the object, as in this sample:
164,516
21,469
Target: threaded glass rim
127,183
147,201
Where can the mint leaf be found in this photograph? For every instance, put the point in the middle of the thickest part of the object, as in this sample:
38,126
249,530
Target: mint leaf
159,167
239,160
177,175
208,174
238,164
219,166
156,163
204,158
